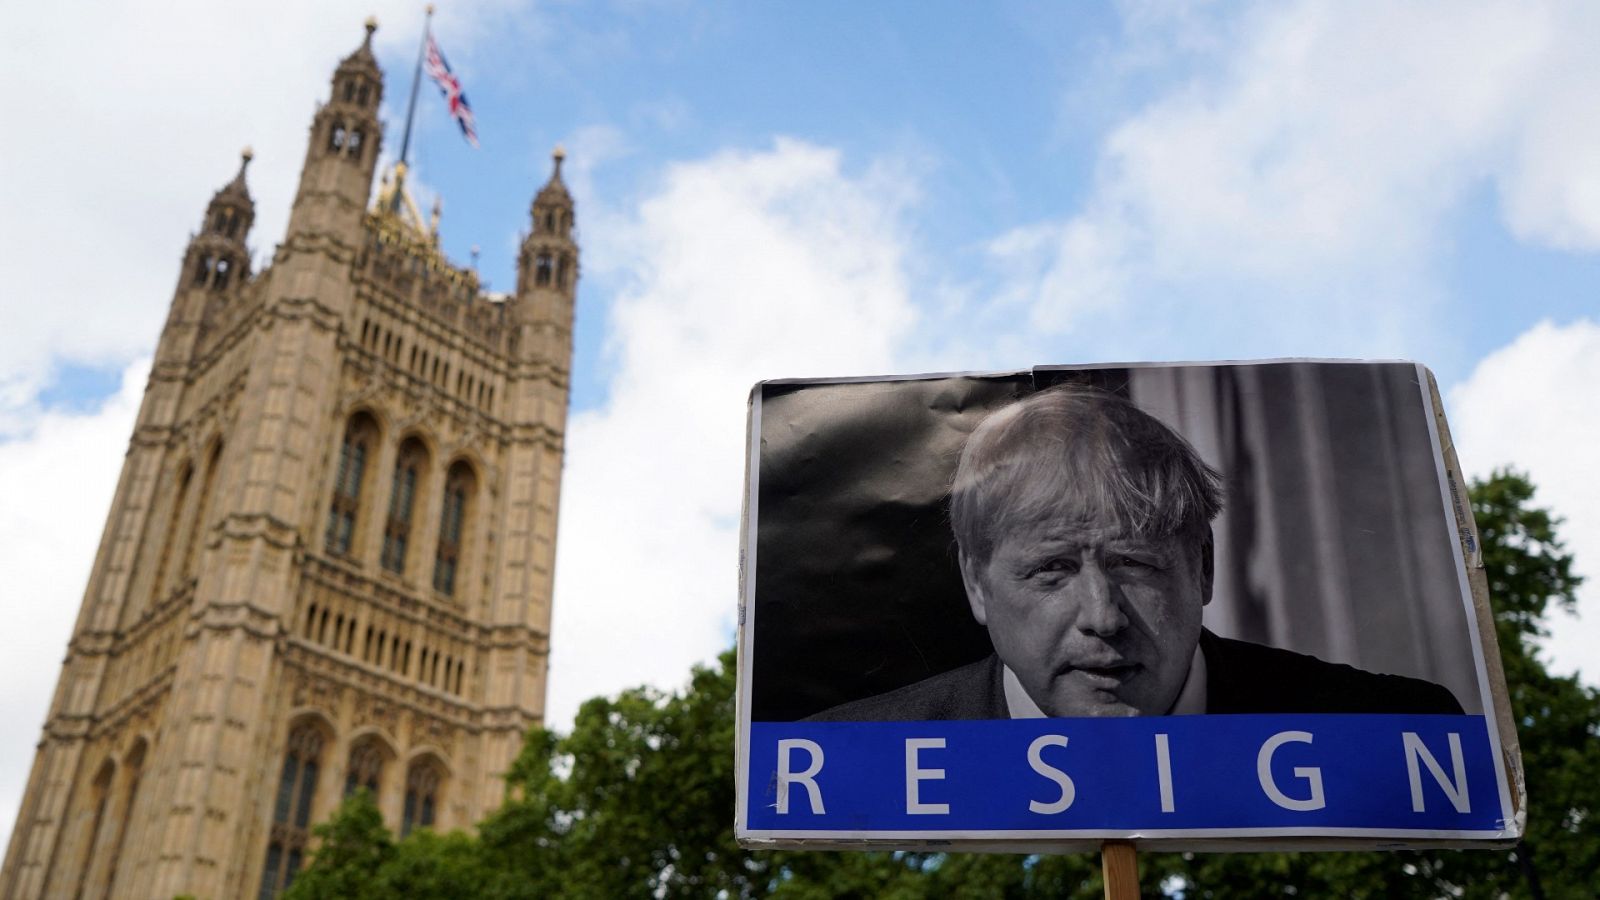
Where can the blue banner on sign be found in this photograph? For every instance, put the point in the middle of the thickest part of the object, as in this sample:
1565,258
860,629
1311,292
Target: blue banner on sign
1427,773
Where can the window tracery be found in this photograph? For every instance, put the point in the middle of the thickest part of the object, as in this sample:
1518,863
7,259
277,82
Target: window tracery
365,768
458,487
402,498
291,811
346,503
422,796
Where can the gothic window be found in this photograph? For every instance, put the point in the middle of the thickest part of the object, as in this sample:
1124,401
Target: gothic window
202,272
422,796
102,796
174,517
134,766
458,487
291,812
561,271
221,281
358,440
354,142
365,768
336,138
349,90
549,221
361,97
197,522
402,498
566,223
541,269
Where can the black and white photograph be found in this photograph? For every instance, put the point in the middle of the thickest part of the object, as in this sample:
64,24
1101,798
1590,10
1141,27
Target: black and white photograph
1144,540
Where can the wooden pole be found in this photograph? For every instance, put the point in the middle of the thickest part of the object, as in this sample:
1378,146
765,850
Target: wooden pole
1120,866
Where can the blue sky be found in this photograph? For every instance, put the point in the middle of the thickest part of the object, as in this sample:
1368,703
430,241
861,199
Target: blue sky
771,190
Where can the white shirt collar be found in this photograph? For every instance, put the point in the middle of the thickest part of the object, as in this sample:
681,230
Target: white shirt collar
1191,699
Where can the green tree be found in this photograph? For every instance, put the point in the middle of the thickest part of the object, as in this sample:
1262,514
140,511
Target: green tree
352,847
1558,726
638,800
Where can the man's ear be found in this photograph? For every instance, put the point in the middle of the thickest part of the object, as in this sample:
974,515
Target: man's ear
1208,567
973,581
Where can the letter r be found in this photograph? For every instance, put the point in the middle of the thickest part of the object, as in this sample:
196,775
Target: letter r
787,775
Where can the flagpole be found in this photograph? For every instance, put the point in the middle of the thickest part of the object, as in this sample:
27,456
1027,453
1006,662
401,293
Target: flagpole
411,109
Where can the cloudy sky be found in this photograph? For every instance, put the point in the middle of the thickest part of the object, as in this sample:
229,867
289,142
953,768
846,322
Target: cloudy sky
773,190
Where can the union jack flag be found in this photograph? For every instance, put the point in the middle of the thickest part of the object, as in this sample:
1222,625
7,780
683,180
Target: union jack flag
450,87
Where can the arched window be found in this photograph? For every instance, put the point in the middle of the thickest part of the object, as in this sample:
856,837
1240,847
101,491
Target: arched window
197,523
100,797
133,766
174,520
422,796
458,489
336,138
291,813
358,440
542,267
365,768
408,468
361,96
561,271
202,272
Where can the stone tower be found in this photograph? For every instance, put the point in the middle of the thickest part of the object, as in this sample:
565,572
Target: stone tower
328,561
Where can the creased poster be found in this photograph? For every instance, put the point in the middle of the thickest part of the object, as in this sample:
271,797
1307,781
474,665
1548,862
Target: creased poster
1215,606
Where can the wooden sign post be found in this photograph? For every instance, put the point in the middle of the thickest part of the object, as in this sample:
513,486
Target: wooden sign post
1120,866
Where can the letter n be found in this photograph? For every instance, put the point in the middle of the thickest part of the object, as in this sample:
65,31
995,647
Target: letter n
1455,789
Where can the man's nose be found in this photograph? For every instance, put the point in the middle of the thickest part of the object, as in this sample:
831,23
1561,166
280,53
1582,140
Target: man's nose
1099,607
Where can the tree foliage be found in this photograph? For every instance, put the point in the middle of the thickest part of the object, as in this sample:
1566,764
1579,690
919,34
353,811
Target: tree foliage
637,802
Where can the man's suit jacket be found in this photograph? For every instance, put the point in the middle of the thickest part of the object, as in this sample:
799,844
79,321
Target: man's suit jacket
1241,677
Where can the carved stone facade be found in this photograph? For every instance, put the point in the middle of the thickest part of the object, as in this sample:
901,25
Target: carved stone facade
328,562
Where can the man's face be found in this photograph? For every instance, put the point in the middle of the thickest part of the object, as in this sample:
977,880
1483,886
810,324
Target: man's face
1093,621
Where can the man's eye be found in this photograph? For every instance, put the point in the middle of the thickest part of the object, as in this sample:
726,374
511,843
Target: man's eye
1133,563
1055,566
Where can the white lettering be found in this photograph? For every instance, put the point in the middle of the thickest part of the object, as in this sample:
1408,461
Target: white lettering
1036,759
1164,773
1455,789
787,776
1311,774
915,774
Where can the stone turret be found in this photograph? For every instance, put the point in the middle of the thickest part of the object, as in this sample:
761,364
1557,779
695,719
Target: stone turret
547,276
342,152
215,265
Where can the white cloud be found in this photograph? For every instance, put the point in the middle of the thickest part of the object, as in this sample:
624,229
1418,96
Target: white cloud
57,482
744,266
126,117
1311,162
1531,405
